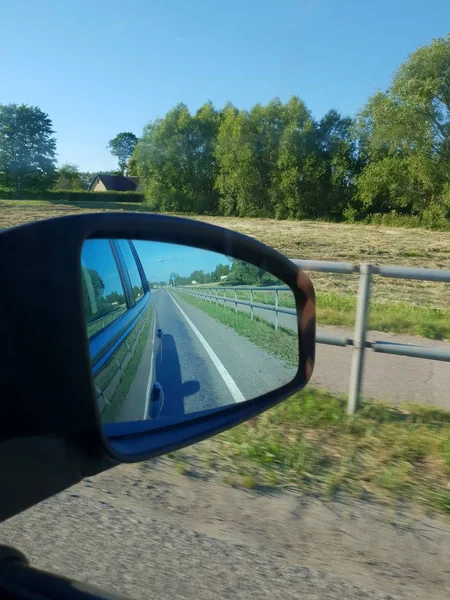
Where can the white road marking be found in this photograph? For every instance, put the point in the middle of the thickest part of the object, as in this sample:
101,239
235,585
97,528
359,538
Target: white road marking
228,380
151,378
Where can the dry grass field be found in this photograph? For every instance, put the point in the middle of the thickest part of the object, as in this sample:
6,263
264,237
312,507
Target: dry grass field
397,305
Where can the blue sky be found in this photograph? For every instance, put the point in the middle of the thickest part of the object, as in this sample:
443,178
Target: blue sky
160,260
100,67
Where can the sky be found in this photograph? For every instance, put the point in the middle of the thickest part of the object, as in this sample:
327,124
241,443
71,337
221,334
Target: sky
160,260
101,67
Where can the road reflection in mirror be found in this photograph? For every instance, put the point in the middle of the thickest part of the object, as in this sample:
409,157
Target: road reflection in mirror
174,330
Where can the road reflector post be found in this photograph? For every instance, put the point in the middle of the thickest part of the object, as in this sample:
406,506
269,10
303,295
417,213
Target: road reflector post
235,300
359,338
251,304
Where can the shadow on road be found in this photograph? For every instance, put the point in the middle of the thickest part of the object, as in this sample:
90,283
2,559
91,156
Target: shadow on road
168,374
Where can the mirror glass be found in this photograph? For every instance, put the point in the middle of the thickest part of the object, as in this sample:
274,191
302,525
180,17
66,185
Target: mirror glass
174,330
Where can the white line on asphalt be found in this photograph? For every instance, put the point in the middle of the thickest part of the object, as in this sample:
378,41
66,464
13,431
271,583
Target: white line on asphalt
228,380
151,377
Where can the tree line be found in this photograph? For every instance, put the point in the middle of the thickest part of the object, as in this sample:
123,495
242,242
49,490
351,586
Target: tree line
238,272
277,160
274,160
28,154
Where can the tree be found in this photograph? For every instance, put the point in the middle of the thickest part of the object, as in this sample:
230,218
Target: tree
27,149
133,165
243,273
300,174
86,178
68,178
206,124
219,272
122,146
116,298
338,148
238,181
176,160
405,136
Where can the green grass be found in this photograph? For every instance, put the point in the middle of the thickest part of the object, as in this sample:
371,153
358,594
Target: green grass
309,443
282,343
395,317
340,310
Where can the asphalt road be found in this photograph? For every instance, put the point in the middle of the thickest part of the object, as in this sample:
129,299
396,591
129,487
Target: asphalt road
386,377
216,369
148,532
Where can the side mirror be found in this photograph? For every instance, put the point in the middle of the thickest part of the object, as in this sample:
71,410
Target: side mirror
87,300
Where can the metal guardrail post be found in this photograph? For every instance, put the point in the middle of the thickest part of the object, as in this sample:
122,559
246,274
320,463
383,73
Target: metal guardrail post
276,310
235,300
251,304
217,294
362,310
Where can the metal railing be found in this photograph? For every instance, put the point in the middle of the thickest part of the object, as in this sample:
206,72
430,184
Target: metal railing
359,340
100,323
234,300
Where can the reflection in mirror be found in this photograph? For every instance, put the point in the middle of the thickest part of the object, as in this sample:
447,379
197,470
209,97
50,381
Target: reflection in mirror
174,330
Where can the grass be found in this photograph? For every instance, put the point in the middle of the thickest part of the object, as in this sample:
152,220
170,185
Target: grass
397,301
340,309
282,343
310,444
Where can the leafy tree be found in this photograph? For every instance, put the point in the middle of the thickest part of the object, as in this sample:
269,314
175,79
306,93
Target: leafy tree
219,272
206,124
199,276
27,148
68,178
115,297
176,160
238,181
132,165
339,151
86,178
243,273
405,136
300,174
122,146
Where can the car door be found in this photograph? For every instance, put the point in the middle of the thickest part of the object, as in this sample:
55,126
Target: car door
121,327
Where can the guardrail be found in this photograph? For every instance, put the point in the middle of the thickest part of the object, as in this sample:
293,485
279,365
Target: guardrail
359,341
100,323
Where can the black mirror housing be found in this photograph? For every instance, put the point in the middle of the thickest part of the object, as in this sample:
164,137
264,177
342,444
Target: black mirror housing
45,376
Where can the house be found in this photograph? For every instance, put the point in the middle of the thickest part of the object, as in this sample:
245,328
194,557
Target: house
114,183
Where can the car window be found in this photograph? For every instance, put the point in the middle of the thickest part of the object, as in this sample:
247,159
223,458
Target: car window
133,271
103,293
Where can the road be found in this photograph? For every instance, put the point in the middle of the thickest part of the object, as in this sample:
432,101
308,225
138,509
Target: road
386,377
216,368
200,364
148,532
